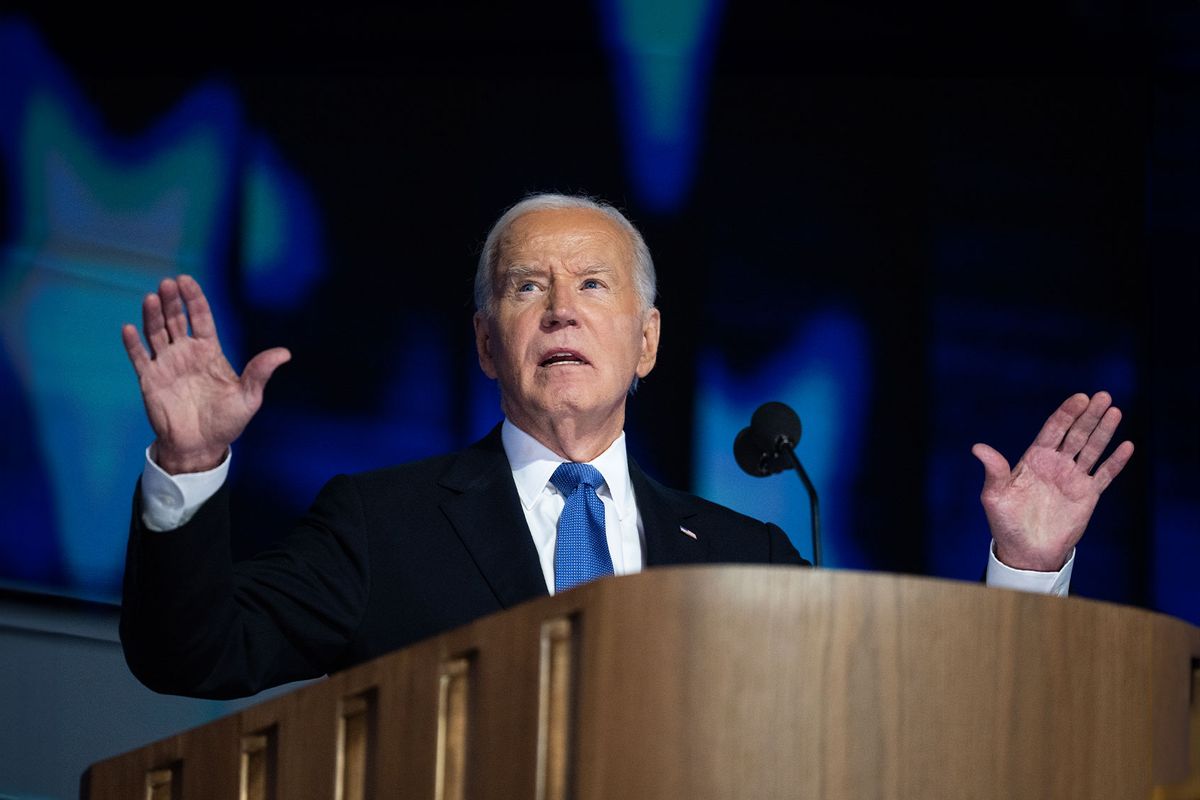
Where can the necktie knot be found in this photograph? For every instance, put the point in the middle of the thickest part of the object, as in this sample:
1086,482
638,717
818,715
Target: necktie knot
571,475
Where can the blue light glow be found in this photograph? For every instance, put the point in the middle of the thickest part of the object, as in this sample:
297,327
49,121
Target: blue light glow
662,53
282,251
95,221
824,374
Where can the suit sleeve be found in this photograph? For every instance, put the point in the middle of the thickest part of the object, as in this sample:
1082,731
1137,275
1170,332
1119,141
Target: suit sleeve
782,549
195,623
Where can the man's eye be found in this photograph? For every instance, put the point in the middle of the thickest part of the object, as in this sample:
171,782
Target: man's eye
591,283
527,286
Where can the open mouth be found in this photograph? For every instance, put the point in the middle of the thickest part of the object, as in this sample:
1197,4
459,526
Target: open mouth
556,358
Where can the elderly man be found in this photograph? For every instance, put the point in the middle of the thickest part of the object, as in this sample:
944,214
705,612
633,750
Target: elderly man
566,323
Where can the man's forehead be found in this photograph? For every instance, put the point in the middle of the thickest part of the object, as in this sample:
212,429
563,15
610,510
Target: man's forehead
571,232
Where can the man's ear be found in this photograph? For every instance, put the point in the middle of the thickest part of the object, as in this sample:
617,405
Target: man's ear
651,327
483,344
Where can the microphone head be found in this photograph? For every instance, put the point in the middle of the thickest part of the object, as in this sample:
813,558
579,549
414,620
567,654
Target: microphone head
772,425
748,455
753,459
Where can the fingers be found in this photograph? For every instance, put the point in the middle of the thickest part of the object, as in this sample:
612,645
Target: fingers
996,471
172,309
260,369
153,324
1052,433
1113,465
203,326
1086,428
165,313
1099,439
1081,430
133,346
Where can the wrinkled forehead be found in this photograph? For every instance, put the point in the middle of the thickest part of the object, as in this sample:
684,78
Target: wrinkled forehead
572,236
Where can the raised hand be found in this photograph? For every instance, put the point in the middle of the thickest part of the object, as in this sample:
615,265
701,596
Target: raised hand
1039,509
196,403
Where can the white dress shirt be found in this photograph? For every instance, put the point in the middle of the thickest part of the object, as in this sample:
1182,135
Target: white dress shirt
169,501
1002,576
532,465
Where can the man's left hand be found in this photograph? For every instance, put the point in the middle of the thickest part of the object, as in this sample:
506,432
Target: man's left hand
1039,509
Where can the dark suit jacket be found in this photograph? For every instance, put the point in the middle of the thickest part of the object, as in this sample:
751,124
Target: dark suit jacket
381,560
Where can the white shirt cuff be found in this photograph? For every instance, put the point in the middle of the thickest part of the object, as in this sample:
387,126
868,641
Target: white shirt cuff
1003,576
169,501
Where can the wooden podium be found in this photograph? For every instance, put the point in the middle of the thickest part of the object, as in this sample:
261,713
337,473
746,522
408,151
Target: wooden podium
727,682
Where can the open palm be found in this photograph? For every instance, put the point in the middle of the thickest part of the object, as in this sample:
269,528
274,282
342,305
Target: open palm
1039,509
197,404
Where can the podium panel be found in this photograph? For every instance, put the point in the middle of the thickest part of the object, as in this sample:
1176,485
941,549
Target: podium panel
718,682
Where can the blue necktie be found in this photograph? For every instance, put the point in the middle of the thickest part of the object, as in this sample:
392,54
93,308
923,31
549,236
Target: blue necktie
581,550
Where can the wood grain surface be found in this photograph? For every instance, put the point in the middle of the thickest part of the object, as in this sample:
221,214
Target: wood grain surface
730,682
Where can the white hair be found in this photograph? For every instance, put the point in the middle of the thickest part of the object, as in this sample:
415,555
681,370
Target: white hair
644,279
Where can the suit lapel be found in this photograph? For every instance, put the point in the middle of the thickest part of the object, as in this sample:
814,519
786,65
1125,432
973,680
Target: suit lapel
664,519
486,515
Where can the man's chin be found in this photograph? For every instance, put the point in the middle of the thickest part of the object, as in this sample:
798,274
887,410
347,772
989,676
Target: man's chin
565,401
577,380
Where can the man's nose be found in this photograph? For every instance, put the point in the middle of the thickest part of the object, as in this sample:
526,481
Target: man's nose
560,307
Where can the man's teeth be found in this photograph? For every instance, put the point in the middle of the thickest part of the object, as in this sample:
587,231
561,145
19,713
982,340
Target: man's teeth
561,358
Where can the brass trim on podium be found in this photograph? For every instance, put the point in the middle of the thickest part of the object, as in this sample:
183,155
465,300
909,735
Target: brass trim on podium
555,708
163,783
355,746
453,691
256,773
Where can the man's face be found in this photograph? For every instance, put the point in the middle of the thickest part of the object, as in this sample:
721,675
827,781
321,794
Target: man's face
568,332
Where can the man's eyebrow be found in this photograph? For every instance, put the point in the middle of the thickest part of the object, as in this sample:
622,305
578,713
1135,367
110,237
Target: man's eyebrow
598,269
519,271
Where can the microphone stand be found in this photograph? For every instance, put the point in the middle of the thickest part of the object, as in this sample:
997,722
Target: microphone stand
813,504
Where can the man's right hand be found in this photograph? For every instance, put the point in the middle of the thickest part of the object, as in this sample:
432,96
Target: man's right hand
196,403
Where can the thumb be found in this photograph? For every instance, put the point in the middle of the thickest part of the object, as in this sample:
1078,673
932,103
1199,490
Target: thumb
996,471
260,368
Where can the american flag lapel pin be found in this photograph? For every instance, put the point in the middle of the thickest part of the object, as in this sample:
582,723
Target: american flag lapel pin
686,532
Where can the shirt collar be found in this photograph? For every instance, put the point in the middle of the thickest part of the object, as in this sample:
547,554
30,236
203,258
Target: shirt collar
533,463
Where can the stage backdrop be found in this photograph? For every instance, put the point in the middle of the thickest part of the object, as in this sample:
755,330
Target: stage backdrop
921,232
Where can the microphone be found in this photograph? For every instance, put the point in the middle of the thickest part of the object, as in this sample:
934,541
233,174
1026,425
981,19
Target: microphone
759,448
768,446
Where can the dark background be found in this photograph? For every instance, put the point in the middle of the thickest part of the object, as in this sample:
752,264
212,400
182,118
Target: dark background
1002,199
